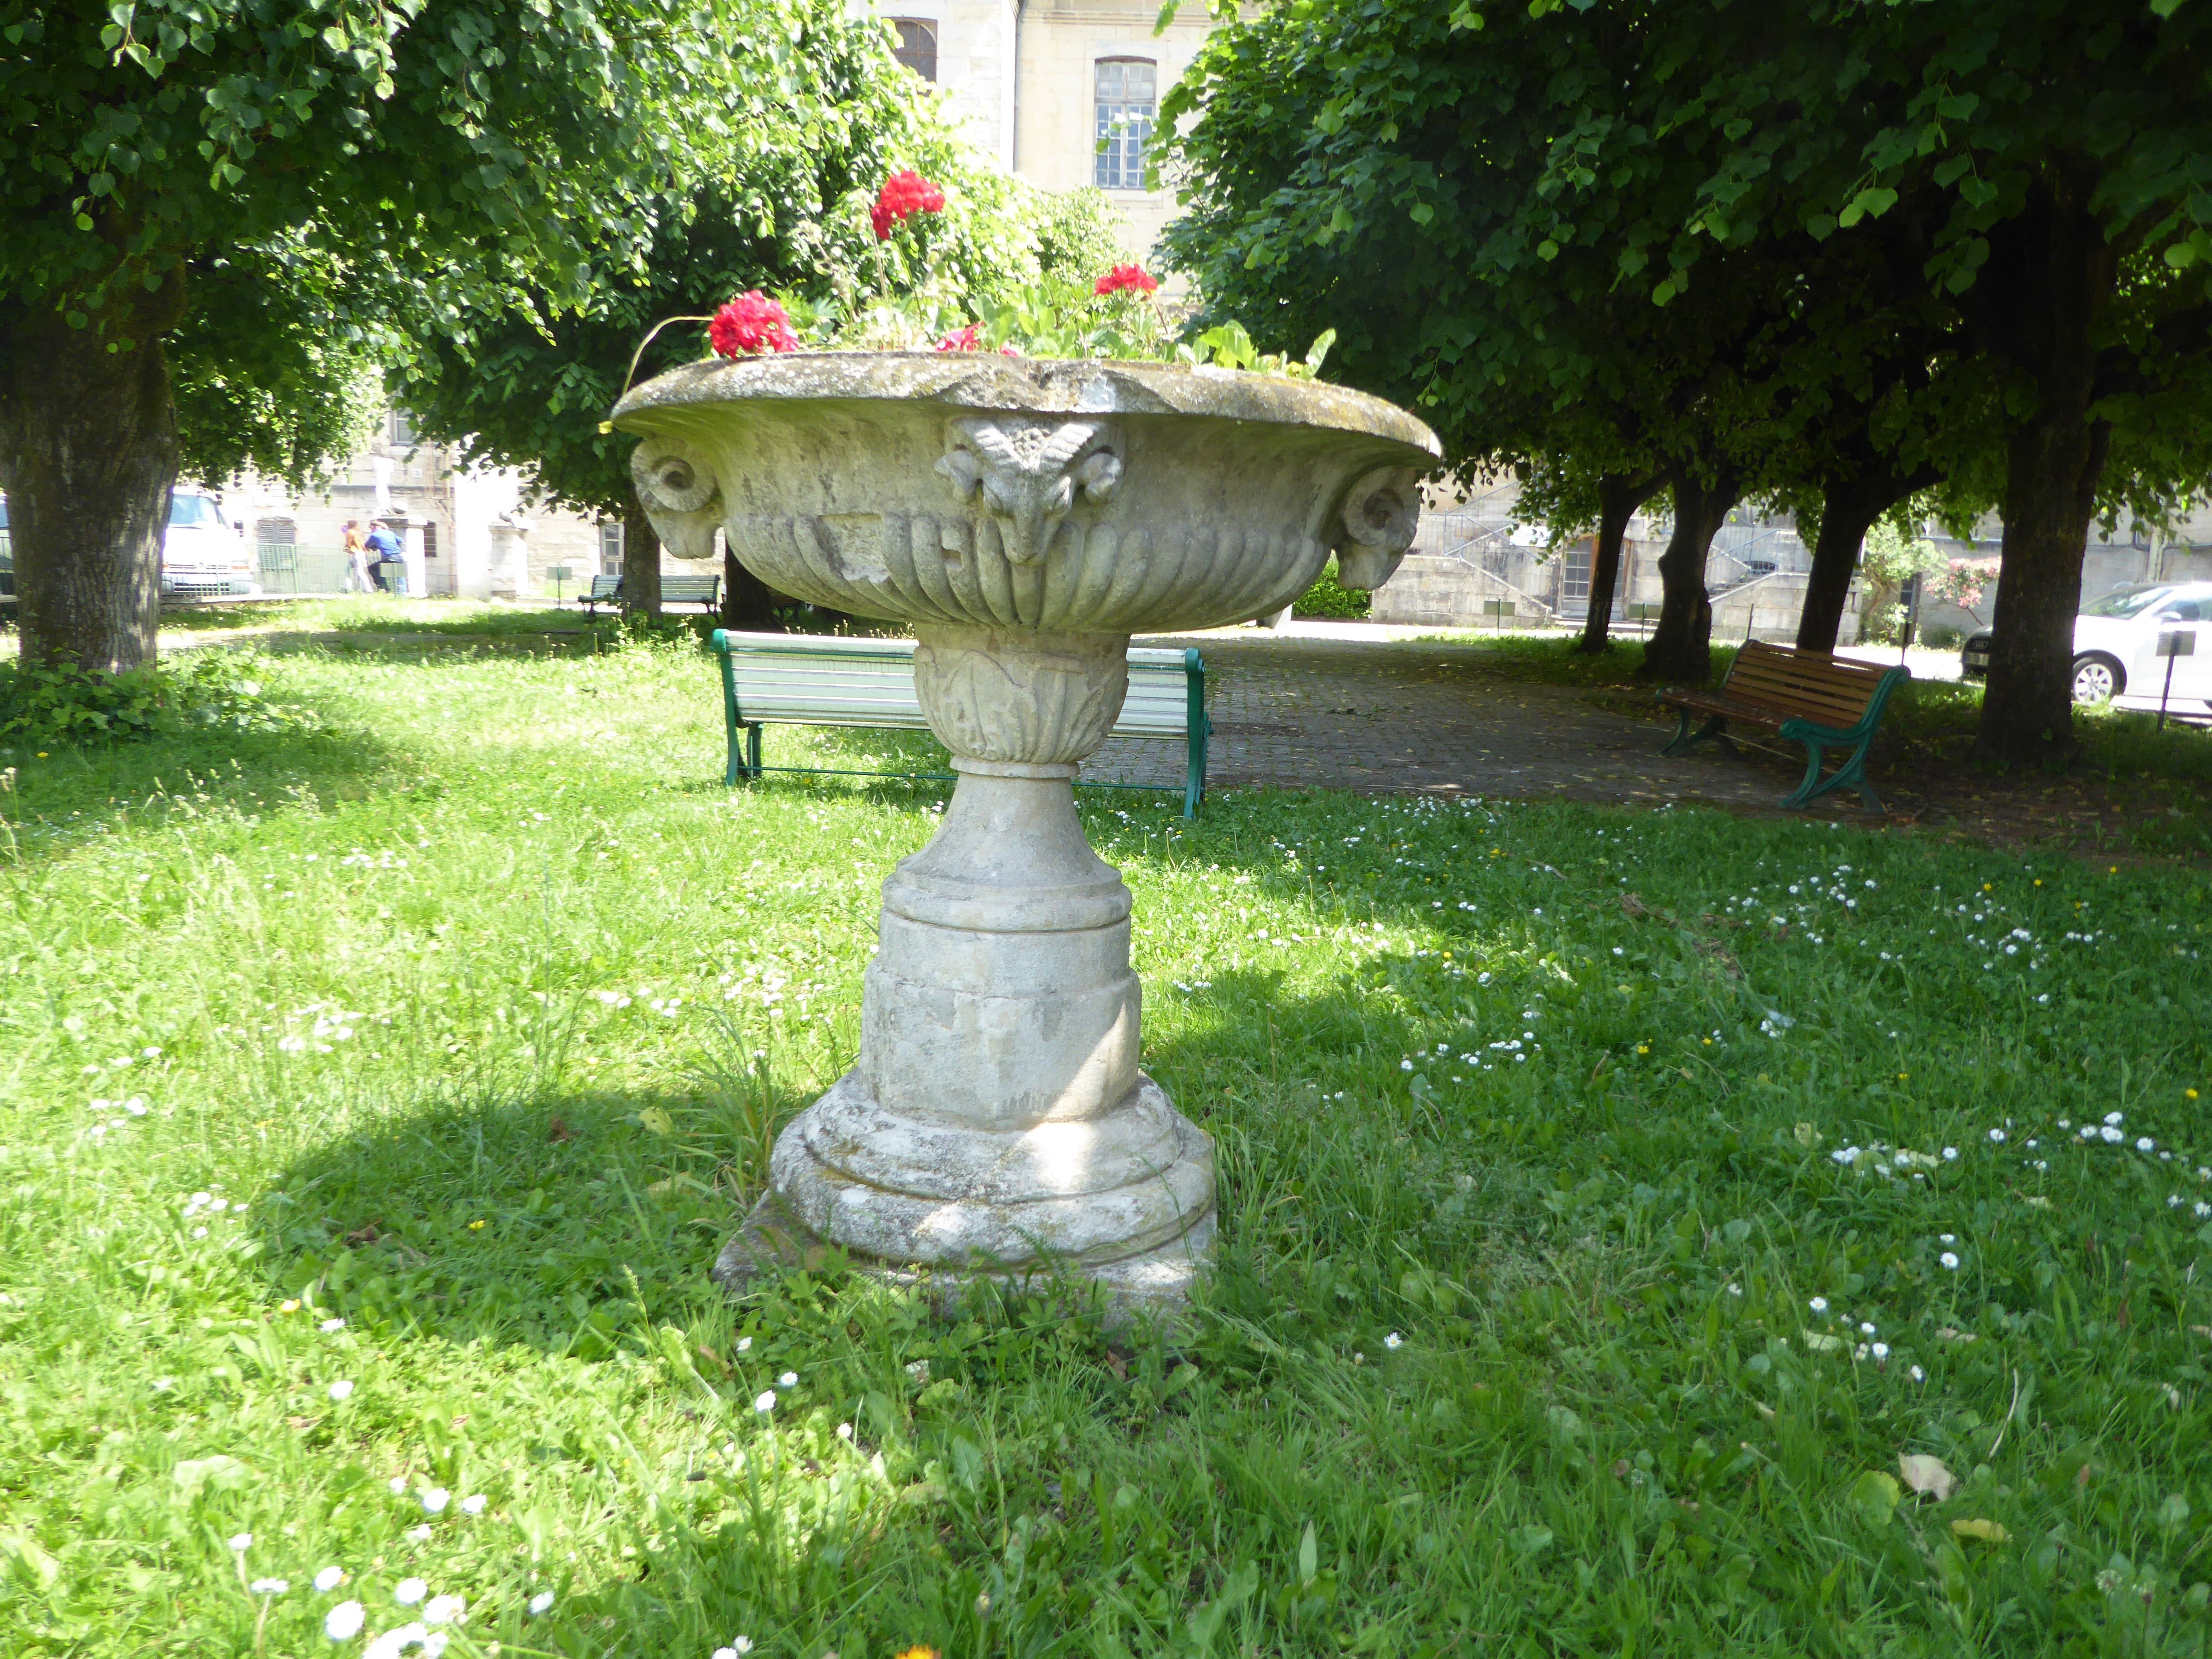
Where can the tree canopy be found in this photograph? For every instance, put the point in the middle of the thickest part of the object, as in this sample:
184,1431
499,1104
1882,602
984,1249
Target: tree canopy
234,205
1965,241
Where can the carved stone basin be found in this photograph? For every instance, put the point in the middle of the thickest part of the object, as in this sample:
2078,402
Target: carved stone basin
1024,518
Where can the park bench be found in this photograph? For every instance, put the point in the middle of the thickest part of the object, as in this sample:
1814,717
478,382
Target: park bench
705,592
1802,696
798,679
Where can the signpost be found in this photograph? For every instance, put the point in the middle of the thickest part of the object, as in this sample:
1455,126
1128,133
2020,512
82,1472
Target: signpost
2181,642
559,573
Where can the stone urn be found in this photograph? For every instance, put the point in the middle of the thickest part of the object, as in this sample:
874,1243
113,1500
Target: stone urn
1023,518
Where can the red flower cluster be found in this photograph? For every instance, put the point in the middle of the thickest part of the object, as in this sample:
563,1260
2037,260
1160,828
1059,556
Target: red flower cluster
904,193
970,338
1123,277
751,323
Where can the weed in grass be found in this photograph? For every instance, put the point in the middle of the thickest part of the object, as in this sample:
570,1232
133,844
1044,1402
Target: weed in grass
1610,1199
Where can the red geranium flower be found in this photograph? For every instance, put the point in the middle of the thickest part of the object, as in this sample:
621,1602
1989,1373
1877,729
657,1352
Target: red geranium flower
1123,277
904,193
751,323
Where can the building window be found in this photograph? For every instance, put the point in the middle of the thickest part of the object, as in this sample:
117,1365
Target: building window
917,46
610,547
429,541
1125,102
275,533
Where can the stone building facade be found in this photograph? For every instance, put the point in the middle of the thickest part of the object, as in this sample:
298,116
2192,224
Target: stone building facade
1064,92
468,532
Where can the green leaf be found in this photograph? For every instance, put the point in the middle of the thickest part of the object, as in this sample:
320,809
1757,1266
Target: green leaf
1873,1496
1309,1555
1421,213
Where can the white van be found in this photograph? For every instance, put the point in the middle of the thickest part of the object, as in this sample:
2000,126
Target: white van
204,554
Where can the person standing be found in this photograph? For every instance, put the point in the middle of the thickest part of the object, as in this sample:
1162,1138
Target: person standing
385,550
356,552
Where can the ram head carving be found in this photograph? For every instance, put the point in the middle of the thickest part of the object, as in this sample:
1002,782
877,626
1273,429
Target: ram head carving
1028,474
680,495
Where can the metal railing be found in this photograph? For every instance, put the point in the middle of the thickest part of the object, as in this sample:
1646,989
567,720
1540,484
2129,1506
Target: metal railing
303,571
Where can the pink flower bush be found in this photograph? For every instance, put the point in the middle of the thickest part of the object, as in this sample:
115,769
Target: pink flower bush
750,324
903,194
1122,277
970,338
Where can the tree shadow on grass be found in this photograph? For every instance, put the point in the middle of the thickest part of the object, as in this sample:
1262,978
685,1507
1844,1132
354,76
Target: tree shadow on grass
73,791
558,1218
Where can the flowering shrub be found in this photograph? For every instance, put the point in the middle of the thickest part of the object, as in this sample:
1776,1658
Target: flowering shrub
750,324
970,338
1127,276
1964,583
903,194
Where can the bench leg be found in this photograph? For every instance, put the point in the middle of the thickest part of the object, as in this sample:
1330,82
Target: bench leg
1811,786
1852,772
1684,738
745,754
1193,789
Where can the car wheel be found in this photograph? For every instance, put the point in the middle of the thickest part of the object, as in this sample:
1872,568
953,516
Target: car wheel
2097,679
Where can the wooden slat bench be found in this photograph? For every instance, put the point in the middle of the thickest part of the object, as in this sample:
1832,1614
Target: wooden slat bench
1802,696
705,592
799,679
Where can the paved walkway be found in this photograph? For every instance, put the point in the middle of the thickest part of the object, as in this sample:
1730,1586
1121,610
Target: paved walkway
1306,709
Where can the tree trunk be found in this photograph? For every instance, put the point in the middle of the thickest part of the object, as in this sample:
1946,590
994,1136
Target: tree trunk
748,602
1847,510
2061,273
640,571
1618,496
88,457
1681,648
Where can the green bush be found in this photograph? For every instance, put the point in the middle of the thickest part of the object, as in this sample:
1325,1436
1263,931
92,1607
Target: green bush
203,691
1330,597
1078,232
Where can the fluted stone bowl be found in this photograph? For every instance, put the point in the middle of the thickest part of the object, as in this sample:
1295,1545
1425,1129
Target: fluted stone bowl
1064,497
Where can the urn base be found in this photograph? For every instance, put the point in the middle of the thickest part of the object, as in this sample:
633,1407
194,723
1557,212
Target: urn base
1124,1201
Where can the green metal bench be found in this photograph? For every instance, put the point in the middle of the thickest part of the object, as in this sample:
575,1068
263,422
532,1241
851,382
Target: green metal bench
1802,696
705,592
799,679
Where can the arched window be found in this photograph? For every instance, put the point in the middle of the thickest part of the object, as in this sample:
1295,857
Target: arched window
1126,98
917,46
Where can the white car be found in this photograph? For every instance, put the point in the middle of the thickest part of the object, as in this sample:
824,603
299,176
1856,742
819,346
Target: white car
2116,656
204,554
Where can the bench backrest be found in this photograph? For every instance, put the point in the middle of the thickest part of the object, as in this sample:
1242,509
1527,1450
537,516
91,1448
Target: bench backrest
1829,691
799,679
674,590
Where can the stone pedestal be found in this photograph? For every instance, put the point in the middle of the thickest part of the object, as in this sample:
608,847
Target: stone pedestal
1024,517
996,1119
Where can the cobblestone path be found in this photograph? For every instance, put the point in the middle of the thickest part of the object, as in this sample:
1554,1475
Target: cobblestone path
1404,717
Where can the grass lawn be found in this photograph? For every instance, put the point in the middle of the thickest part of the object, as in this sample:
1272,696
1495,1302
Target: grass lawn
1610,1199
